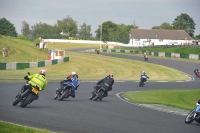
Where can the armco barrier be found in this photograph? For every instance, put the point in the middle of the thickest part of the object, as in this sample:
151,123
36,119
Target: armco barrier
48,62
161,54
2,66
33,64
54,61
155,53
167,54
21,66
66,59
194,56
184,55
41,63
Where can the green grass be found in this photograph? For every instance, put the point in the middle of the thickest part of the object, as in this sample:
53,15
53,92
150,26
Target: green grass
21,50
184,99
94,67
67,46
12,128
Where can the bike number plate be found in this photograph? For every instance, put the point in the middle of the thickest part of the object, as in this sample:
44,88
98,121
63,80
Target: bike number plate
35,91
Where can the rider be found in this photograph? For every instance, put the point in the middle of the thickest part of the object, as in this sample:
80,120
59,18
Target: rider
144,76
145,54
198,73
73,77
37,80
106,83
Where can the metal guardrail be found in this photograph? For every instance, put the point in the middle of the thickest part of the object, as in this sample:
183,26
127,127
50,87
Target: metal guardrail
158,46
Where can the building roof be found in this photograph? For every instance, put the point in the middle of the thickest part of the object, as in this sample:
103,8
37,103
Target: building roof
159,34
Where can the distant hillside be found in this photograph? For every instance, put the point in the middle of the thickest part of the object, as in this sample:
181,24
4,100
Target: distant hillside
21,50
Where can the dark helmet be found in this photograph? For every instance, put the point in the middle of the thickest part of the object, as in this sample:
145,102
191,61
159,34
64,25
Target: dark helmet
198,101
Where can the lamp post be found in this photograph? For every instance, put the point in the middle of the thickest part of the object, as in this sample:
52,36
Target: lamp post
100,35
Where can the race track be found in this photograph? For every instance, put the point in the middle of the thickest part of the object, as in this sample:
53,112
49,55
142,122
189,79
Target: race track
112,115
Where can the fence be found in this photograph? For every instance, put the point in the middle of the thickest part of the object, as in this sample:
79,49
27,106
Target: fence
159,54
21,66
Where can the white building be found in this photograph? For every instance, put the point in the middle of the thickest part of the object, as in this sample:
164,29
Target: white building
146,37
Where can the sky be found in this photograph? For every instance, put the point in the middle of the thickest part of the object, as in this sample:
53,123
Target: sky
143,13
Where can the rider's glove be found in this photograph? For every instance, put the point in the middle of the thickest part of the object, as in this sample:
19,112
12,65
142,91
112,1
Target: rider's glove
26,77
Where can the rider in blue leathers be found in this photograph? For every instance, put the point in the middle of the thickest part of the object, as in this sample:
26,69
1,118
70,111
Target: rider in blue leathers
144,76
73,78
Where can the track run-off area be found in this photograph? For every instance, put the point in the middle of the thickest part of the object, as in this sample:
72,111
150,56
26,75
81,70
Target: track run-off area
111,115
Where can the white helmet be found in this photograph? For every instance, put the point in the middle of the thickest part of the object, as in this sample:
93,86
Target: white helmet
43,72
73,73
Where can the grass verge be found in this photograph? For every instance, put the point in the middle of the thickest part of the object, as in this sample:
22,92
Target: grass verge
94,67
13,128
183,99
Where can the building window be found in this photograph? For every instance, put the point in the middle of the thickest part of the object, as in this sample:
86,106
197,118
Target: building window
137,39
160,40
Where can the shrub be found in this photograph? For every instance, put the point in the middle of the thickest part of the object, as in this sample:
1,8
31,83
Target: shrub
22,37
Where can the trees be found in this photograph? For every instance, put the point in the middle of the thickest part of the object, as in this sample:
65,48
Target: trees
85,32
42,30
109,31
7,28
184,22
68,25
26,30
197,37
114,32
164,25
125,31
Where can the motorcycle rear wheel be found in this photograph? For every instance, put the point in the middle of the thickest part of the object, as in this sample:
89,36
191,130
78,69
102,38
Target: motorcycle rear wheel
27,100
189,117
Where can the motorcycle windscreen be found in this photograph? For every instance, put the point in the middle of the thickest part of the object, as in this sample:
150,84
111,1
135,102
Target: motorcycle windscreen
198,108
66,82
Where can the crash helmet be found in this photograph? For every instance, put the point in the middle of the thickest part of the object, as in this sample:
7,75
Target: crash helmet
143,72
73,73
43,72
111,75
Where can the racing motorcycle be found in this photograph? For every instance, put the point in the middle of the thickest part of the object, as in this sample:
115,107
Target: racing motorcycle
146,58
194,115
26,97
142,82
98,93
197,72
66,91
98,51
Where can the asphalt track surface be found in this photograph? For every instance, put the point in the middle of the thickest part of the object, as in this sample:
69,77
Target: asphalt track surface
111,115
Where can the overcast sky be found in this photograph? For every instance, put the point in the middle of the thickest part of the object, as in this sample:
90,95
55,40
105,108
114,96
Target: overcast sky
145,13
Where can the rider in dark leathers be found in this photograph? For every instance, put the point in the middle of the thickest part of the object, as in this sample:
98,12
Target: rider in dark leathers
106,83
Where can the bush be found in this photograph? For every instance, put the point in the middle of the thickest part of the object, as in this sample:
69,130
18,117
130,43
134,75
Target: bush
22,37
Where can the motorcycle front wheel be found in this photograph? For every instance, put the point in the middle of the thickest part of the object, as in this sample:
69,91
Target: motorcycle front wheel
190,117
17,100
99,95
140,83
63,95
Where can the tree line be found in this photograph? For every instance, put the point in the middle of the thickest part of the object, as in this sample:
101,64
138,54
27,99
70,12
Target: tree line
67,28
